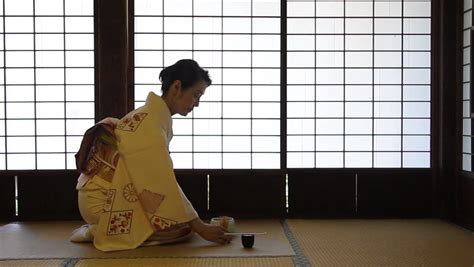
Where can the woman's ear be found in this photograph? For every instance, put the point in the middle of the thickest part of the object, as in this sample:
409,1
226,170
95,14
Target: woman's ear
175,88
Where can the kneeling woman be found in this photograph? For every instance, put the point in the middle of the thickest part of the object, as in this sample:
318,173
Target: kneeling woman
128,192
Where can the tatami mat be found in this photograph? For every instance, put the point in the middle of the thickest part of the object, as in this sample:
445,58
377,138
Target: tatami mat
383,242
195,262
36,240
394,242
30,263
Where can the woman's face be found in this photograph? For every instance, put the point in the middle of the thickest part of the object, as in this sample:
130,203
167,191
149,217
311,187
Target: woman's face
187,99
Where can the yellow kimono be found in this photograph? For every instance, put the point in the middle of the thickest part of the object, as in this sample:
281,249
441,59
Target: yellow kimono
144,198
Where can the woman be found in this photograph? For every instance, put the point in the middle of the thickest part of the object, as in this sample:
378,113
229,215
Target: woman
128,192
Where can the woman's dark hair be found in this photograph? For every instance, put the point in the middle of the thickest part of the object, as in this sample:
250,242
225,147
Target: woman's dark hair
187,71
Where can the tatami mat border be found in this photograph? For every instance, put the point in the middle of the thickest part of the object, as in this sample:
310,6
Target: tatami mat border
70,262
299,259
459,227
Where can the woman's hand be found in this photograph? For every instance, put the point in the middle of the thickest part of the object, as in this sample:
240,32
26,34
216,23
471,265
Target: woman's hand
213,233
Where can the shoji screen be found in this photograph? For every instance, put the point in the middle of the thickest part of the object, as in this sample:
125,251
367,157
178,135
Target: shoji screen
359,84
46,81
237,125
466,114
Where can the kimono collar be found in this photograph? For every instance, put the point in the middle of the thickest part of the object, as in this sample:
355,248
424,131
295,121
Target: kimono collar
163,110
156,100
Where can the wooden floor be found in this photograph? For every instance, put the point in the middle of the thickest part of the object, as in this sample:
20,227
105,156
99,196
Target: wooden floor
425,242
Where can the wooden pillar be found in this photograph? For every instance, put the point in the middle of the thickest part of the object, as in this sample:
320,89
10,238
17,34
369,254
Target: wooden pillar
114,90
447,70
